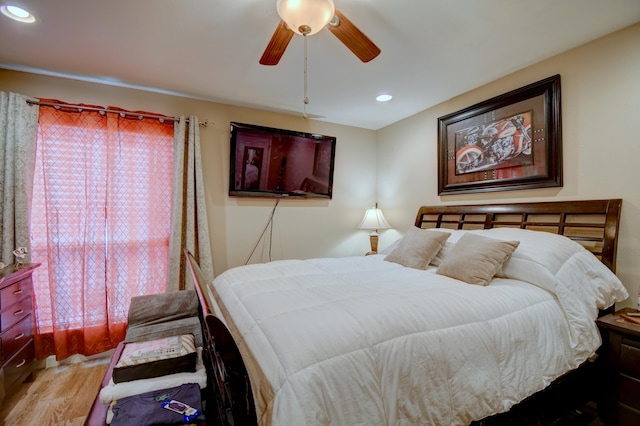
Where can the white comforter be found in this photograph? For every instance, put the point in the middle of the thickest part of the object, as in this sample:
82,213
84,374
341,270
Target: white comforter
361,341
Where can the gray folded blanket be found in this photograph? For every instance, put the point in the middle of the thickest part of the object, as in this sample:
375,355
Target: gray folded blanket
155,316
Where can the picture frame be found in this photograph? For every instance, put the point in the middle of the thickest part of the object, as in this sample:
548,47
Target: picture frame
512,141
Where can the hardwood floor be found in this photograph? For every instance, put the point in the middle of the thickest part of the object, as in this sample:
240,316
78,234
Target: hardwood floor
60,395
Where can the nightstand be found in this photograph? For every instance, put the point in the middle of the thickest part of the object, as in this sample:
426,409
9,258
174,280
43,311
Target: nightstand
621,348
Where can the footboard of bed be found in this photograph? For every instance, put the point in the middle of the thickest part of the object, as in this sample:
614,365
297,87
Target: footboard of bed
230,399
227,375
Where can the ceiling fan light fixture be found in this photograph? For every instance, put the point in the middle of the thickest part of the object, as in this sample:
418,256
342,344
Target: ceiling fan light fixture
17,14
306,17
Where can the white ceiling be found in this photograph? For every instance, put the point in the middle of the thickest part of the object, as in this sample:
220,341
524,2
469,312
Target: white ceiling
432,50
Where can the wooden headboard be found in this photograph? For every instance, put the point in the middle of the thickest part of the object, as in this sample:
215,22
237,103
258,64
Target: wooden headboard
592,223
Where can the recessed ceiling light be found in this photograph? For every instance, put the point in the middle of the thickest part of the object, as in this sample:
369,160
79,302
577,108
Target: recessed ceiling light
383,98
17,13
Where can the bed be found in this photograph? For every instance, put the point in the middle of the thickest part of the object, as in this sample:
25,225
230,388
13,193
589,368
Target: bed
384,339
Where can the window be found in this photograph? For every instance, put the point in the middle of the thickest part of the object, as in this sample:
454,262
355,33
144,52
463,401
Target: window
100,224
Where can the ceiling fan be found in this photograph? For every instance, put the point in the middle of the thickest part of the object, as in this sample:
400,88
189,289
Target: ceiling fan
307,17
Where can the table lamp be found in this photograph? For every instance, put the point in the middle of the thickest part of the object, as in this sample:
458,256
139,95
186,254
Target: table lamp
374,220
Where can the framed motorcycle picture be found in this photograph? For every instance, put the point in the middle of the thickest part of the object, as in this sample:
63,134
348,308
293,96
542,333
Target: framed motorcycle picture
512,141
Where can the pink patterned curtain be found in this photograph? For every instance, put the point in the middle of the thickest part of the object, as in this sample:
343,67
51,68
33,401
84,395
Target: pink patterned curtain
100,224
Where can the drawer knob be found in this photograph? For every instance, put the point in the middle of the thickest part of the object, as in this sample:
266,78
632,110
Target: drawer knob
18,312
19,336
24,361
17,292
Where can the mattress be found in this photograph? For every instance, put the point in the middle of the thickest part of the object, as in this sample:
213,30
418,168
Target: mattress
363,341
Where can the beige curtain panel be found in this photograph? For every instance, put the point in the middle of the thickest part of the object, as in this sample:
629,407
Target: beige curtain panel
189,225
18,130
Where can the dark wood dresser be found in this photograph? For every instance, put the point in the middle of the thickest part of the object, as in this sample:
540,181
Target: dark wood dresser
17,355
621,341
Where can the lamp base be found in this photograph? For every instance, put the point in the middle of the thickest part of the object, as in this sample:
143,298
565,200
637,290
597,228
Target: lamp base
373,239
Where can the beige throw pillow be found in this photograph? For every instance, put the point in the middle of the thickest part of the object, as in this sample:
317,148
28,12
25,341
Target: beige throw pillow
476,259
417,247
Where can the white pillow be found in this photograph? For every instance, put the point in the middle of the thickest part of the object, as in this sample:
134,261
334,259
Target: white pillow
550,260
546,248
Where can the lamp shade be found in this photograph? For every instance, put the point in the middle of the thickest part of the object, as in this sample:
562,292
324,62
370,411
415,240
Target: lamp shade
314,14
374,219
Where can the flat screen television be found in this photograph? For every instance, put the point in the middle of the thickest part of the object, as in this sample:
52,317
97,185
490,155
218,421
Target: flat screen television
268,162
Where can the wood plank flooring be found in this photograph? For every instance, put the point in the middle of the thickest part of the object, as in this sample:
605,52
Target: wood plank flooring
60,395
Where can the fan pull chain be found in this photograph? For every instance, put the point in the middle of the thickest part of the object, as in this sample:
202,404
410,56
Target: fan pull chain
306,99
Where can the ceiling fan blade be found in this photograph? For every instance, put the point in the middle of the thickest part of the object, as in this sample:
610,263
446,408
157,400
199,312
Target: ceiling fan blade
353,38
277,45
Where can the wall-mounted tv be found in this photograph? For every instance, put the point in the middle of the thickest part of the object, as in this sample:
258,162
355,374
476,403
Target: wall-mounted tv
268,162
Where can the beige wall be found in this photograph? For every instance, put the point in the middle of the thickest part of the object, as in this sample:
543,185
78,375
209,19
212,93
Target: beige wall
601,144
600,115
302,228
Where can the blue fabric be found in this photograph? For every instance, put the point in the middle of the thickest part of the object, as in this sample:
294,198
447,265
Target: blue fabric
146,409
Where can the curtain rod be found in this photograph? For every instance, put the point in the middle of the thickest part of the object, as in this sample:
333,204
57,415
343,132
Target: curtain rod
204,123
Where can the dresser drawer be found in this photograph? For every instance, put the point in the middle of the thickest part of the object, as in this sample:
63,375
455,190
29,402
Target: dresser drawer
14,292
630,357
20,366
15,313
15,337
630,391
